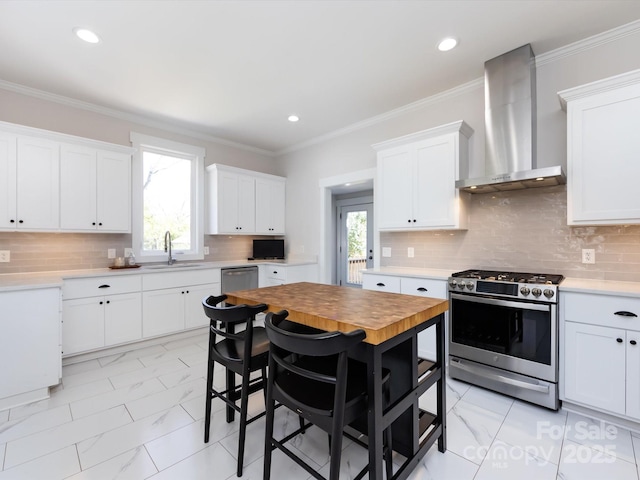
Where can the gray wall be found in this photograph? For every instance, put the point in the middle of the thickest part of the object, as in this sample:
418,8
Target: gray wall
508,214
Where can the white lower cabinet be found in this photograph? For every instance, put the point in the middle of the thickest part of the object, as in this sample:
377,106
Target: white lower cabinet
93,320
29,342
422,287
172,301
589,379
600,364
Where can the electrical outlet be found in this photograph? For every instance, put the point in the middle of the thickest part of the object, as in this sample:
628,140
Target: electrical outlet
111,253
588,255
386,251
5,256
206,250
128,252
410,252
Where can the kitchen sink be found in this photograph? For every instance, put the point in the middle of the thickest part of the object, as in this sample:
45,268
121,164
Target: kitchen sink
172,266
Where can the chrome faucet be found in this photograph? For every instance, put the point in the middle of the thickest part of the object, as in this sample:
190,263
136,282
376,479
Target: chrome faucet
167,247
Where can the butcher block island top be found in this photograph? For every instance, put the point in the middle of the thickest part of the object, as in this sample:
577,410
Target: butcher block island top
329,307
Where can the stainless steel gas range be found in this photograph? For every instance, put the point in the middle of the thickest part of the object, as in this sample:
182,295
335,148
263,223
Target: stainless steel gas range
504,333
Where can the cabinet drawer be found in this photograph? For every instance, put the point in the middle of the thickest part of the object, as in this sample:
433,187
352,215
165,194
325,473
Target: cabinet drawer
160,280
382,283
277,273
423,287
601,310
98,286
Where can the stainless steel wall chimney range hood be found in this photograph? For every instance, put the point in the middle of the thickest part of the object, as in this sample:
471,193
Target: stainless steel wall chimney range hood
510,127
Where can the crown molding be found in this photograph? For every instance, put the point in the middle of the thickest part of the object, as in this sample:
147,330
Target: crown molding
127,116
589,43
439,97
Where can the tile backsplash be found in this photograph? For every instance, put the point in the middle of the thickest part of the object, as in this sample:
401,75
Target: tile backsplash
37,252
524,230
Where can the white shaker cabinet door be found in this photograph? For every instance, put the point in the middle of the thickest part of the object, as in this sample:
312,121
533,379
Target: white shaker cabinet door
83,325
595,366
162,312
270,207
122,318
113,195
77,188
633,374
395,188
38,184
7,181
194,315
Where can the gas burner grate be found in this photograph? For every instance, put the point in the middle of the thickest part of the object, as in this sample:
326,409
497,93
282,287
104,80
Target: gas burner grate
511,277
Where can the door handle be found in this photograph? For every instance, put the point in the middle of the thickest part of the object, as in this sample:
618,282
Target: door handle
624,313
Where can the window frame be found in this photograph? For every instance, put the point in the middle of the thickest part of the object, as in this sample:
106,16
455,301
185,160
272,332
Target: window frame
141,143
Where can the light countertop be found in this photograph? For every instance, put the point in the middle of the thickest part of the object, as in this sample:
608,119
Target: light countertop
580,285
433,273
31,280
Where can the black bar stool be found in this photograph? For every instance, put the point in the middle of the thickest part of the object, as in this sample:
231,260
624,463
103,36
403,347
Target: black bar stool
312,375
243,353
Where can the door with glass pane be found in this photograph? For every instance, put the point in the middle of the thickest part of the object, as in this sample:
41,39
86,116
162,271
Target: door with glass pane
355,243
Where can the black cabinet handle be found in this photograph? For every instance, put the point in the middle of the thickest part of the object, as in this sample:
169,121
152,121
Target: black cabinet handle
632,342
12,221
414,220
100,224
422,289
624,313
20,221
105,286
275,272
108,302
380,284
619,340
101,303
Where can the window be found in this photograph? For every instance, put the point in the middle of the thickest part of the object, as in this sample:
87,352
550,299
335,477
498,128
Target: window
167,197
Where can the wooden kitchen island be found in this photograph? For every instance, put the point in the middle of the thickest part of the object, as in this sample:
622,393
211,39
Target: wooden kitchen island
392,323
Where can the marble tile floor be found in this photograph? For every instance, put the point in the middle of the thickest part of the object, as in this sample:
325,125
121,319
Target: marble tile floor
140,415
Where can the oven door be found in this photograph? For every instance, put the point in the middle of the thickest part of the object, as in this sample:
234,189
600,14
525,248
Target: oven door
511,335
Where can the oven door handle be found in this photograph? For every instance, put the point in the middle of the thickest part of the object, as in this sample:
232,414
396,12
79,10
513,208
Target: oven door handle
501,303
500,378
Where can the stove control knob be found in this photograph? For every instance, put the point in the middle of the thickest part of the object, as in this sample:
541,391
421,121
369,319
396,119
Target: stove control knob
525,291
548,293
462,284
453,282
536,292
470,285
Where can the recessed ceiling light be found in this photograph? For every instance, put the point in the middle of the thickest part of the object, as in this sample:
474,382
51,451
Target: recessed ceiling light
293,118
86,35
447,44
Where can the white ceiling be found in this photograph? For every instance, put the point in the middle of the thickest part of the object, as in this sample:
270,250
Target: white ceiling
236,69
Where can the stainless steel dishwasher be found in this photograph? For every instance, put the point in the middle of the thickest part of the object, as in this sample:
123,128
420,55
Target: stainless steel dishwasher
239,278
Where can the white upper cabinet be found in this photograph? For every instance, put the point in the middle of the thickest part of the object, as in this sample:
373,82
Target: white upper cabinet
51,182
95,190
416,179
30,169
603,151
270,204
244,202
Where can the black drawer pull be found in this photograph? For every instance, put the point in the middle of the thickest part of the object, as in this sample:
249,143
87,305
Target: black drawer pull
380,284
105,286
619,340
624,313
422,289
632,342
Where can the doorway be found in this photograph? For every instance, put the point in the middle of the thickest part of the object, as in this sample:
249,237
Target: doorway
354,229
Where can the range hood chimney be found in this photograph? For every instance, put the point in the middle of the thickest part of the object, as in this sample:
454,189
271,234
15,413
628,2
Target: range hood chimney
510,127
